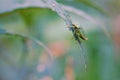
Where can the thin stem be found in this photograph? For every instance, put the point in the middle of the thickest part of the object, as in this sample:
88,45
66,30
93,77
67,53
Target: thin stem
34,40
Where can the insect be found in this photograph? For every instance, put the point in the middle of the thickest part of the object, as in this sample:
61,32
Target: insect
78,33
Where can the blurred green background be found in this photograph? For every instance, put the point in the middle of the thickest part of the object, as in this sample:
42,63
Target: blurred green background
23,59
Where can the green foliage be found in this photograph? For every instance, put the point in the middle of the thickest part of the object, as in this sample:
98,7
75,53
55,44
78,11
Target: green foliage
28,32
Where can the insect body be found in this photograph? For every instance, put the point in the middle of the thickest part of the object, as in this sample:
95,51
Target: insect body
77,33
